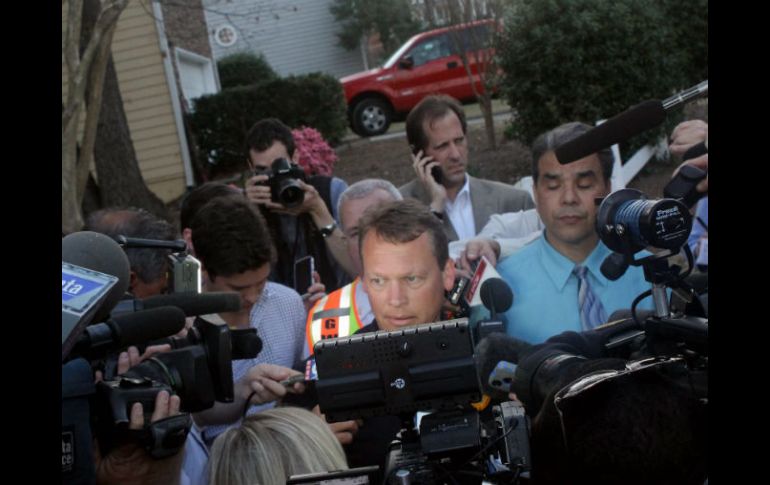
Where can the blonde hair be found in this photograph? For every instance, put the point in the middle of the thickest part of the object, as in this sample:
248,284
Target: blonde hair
270,446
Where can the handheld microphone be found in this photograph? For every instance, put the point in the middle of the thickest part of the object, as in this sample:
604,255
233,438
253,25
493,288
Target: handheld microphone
130,329
100,253
95,275
623,126
191,304
497,297
695,151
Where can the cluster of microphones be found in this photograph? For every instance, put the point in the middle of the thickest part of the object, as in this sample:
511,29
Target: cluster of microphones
99,320
441,366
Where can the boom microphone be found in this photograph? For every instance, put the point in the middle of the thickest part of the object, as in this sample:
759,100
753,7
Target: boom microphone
191,304
136,242
620,128
129,329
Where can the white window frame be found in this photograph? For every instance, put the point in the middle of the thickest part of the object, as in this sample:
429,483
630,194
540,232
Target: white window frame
185,55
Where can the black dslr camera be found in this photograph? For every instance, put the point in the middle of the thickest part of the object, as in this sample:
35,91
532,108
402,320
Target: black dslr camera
283,181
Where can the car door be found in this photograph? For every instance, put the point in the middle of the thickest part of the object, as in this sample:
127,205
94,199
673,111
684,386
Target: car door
475,41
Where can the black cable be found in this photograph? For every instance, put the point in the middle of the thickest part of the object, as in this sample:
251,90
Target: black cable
248,403
489,445
636,302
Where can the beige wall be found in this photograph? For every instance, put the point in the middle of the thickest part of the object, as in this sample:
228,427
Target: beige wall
147,101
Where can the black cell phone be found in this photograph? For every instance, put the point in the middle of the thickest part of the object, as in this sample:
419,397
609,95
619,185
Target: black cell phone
303,275
436,172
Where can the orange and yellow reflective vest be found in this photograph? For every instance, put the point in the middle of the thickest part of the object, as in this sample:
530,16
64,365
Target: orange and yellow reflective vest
334,315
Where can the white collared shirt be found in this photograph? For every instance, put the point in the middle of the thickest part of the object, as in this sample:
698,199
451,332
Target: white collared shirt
363,306
460,212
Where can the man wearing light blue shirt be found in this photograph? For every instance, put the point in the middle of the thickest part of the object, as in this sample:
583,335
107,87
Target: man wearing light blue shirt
556,281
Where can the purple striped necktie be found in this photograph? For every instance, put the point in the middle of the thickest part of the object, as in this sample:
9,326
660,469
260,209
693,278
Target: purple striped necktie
592,313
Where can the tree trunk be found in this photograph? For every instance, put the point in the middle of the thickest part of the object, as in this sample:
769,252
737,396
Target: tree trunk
85,44
119,178
485,103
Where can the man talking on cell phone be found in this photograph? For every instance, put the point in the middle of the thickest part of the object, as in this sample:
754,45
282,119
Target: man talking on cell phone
437,133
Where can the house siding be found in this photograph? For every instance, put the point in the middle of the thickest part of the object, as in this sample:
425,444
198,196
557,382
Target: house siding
146,101
295,36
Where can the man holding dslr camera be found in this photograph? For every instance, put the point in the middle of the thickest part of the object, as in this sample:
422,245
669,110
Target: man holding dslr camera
308,228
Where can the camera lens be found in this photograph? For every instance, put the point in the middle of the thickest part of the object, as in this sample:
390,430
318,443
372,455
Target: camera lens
290,194
627,220
658,223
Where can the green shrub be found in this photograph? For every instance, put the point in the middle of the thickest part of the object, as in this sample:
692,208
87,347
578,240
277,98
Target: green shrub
243,69
220,121
567,60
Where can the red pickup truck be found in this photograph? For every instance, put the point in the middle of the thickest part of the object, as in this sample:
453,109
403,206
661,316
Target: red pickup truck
428,63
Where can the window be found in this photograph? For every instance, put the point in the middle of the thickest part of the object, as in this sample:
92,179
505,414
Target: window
196,75
431,49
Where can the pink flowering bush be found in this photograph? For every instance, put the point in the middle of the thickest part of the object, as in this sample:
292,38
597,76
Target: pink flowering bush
316,157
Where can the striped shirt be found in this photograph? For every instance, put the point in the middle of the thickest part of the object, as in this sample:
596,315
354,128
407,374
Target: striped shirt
279,317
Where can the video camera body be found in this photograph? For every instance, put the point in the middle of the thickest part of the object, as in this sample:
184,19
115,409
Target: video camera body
465,445
427,367
198,370
283,176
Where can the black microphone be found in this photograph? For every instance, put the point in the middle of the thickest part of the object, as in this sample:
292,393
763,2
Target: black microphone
98,252
497,297
620,128
695,151
495,348
191,304
178,245
87,295
129,329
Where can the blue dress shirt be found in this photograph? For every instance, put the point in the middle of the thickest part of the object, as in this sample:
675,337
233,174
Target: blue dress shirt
545,292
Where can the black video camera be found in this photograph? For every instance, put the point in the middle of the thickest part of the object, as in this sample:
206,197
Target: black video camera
283,176
463,446
199,371
426,367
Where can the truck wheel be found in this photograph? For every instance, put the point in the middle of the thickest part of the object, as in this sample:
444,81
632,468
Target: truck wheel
371,116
